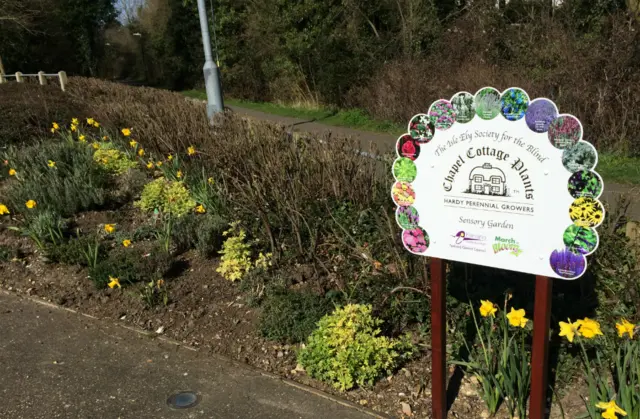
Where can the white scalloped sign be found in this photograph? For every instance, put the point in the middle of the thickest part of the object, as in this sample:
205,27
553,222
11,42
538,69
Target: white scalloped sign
498,179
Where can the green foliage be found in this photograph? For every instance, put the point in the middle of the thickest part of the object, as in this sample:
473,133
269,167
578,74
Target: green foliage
75,184
154,293
43,227
289,317
130,265
74,251
346,349
200,231
5,253
168,197
112,159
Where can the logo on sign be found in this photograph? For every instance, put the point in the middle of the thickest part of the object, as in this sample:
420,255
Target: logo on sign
502,244
462,236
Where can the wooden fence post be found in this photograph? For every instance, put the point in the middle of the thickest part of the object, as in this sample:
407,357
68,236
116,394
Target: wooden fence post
62,76
2,73
41,78
19,78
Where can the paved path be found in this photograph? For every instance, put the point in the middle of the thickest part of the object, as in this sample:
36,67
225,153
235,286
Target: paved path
58,364
386,142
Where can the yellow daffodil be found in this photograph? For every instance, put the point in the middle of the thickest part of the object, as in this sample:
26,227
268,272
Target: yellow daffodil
126,132
4,210
569,330
109,228
105,138
200,209
160,283
12,172
126,243
141,152
517,318
611,409
159,164
53,130
90,121
179,174
51,163
150,165
210,180
55,126
95,145
624,327
191,150
169,157
31,204
589,328
377,265
487,308
74,128
96,124
133,143
74,121
82,139
114,282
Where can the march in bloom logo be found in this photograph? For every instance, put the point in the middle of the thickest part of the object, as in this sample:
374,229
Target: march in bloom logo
502,244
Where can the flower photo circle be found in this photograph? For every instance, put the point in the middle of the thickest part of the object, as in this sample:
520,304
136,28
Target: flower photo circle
540,114
514,103
488,103
464,106
421,128
582,156
407,217
585,183
580,240
415,240
565,131
567,264
403,194
408,147
404,170
442,114
586,212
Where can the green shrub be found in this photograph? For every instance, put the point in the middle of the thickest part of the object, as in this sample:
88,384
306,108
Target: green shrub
72,252
75,184
113,160
5,253
200,231
290,317
131,265
346,349
168,197
42,228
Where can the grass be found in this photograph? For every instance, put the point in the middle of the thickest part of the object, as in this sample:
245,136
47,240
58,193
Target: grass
612,167
618,169
350,118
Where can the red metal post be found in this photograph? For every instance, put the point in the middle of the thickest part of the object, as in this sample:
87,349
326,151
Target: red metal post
438,339
540,352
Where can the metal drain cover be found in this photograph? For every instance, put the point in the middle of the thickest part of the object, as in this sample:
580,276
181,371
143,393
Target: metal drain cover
183,400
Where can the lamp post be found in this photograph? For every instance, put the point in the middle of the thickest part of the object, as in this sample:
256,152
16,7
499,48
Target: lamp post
215,103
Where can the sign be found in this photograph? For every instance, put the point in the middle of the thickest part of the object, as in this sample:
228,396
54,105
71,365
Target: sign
497,179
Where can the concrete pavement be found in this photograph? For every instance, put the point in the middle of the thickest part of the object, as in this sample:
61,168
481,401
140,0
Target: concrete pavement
59,364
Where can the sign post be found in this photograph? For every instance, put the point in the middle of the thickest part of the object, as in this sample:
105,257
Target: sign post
497,179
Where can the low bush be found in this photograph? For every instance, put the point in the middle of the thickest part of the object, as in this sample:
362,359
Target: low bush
200,231
168,197
289,316
113,160
74,183
131,265
72,251
346,349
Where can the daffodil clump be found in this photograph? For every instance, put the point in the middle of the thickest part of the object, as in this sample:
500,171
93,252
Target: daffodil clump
500,360
613,374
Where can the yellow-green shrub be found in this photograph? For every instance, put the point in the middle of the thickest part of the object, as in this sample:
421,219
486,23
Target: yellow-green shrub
168,197
236,252
346,349
112,159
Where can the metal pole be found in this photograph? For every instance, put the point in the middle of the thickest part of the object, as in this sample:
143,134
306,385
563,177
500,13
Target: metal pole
540,355
215,103
438,339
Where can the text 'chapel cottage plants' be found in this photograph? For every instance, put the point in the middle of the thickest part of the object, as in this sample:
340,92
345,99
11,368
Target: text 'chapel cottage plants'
347,350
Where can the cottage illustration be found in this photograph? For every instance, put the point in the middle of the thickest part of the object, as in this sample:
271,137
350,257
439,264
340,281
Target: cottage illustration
487,180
